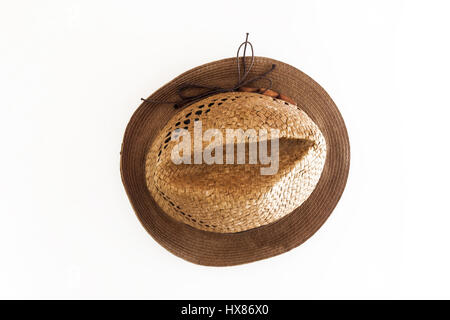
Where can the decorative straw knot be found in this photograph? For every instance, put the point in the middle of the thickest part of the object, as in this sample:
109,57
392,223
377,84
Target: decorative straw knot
242,81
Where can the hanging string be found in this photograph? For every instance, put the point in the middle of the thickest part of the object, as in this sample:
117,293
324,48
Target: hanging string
210,90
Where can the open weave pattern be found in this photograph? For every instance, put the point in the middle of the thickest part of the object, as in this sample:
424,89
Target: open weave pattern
229,198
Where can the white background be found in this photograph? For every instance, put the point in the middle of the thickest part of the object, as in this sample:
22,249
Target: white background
72,74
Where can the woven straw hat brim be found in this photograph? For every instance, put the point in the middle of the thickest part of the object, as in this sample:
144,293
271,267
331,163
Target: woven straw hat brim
226,249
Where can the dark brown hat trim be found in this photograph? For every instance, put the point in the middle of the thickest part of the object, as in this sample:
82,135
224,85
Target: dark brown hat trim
216,249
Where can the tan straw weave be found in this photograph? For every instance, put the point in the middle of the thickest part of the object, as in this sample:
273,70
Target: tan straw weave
231,198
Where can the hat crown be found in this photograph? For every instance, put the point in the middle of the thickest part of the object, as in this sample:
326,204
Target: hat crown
233,197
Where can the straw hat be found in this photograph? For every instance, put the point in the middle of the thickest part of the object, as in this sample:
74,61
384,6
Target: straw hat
221,213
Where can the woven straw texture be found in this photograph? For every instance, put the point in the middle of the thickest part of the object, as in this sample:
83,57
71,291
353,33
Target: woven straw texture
236,197
224,249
